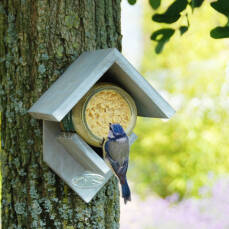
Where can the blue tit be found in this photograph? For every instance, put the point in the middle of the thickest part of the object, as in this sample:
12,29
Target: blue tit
116,154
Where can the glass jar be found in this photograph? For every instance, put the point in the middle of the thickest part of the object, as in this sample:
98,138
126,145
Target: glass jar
103,104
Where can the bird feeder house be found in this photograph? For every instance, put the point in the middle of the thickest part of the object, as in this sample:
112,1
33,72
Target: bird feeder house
69,154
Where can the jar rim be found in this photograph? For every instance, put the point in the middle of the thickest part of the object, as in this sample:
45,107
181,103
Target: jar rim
120,92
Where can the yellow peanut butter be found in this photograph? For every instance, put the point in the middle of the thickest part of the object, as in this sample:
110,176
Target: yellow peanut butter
104,107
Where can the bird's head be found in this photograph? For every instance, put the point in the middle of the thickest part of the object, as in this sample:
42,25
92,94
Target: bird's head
116,131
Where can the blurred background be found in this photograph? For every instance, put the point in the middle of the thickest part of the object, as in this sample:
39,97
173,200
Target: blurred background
179,167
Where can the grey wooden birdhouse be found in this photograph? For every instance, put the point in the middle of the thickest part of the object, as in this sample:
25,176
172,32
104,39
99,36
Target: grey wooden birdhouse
77,94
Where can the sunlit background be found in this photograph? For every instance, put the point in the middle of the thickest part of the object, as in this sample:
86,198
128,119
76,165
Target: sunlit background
179,168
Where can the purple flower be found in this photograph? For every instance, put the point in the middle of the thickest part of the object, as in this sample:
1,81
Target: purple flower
209,212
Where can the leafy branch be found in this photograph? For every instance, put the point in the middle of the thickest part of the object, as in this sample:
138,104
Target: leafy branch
173,14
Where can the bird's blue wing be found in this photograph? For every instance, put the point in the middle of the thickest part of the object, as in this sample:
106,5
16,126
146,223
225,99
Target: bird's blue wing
120,170
123,168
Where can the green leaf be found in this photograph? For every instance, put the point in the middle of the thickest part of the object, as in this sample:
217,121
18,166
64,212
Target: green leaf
183,29
172,14
196,3
221,6
155,3
161,36
220,32
132,2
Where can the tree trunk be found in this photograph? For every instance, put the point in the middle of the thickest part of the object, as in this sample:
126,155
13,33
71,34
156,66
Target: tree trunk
38,40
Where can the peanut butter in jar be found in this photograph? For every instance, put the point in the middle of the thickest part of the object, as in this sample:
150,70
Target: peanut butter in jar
105,103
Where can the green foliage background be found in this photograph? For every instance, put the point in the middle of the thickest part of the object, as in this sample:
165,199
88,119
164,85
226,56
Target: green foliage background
177,10
180,154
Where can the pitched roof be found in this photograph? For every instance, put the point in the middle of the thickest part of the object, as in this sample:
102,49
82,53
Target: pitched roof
83,73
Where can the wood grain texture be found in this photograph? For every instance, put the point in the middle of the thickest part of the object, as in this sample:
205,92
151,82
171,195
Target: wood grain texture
38,40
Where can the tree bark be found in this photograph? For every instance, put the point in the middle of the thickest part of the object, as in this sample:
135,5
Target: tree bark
38,40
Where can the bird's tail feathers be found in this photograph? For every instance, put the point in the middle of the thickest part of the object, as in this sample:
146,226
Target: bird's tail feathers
126,191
